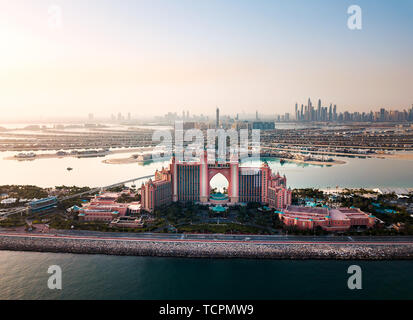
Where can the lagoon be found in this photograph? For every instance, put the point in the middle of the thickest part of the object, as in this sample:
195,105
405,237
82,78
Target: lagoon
367,173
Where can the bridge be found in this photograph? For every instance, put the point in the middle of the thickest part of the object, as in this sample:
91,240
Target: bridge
94,190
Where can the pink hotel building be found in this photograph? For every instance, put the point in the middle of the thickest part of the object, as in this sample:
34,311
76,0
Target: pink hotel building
190,181
338,219
104,207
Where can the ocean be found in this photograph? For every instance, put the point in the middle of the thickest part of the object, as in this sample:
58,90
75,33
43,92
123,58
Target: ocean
23,275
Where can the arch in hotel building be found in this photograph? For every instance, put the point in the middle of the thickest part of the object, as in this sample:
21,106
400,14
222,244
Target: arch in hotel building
220,177
225,170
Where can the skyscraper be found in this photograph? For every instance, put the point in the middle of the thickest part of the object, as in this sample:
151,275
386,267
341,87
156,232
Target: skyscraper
330,113
217,119
296,112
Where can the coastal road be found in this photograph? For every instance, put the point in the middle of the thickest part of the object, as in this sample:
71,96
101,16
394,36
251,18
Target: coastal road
219,238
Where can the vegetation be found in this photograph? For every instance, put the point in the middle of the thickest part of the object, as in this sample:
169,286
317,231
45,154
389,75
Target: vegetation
23,192
125,198
13,221
309,193
72,190
178,213
117,188
367,205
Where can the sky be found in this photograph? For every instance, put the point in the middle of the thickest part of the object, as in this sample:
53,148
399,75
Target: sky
68,58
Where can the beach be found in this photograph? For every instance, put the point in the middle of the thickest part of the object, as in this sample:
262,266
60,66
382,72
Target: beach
55,156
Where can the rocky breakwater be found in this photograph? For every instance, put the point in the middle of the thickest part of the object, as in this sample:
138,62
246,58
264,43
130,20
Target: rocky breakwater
207,249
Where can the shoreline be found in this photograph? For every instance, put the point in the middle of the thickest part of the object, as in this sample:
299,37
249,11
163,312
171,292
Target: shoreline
128,160
55,156
210,250
123,160
318,163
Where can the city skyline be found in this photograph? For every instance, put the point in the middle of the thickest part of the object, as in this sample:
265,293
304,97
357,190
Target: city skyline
149,58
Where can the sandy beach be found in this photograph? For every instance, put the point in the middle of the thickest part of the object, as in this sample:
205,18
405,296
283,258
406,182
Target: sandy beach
318,163
121,160
399,156
131,159
55,156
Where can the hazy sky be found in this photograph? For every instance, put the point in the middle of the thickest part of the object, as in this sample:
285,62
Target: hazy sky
154,56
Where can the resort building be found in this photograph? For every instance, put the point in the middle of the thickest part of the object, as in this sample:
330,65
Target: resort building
337,219
103,207
43,204
158,192
190,181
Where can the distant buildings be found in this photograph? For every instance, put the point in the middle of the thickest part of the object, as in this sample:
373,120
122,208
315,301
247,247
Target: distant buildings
263,125
217,119
329,114
310,113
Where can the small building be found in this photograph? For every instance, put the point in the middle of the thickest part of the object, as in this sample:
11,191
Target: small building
43,204
8,201
127,222
218,209
103,207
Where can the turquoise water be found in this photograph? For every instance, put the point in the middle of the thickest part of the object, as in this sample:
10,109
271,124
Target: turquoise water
355,173
93,172
24,276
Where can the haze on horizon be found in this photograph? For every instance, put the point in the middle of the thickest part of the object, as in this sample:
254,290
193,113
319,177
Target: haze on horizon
157,56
